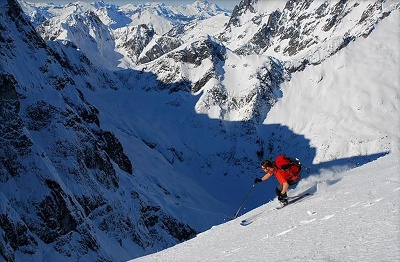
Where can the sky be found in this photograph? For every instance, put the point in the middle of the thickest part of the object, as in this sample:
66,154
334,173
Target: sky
228,4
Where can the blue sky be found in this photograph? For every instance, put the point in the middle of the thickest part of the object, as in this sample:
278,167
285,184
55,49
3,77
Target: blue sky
228,4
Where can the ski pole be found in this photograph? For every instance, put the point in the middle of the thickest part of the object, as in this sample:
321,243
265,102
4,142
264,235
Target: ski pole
241,205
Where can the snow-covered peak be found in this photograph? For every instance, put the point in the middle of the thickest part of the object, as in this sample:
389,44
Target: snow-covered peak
72,22
201,8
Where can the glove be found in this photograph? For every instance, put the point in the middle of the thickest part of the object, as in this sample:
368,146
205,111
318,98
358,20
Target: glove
257,180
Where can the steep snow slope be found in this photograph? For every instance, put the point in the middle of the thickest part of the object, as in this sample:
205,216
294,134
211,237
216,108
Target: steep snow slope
353,216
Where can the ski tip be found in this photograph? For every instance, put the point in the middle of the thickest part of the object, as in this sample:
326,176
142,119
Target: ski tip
245,223
281,206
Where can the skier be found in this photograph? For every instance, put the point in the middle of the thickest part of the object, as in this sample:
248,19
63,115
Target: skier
286,171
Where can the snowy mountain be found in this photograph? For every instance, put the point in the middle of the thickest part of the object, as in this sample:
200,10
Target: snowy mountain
345,220
114,36
127,130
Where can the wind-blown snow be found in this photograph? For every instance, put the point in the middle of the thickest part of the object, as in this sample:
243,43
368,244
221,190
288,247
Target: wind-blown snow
353,216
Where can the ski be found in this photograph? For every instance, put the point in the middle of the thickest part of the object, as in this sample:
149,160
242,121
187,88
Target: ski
253,218
294,199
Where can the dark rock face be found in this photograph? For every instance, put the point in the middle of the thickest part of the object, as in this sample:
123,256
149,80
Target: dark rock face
162,46
18,237
199,51
58,214
140,38
241,9
115,150
59,169
14,144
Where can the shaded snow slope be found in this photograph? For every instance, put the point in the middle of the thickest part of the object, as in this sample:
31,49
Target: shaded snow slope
353,216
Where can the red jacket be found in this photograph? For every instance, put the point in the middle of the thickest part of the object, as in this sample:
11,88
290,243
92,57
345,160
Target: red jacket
281,176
